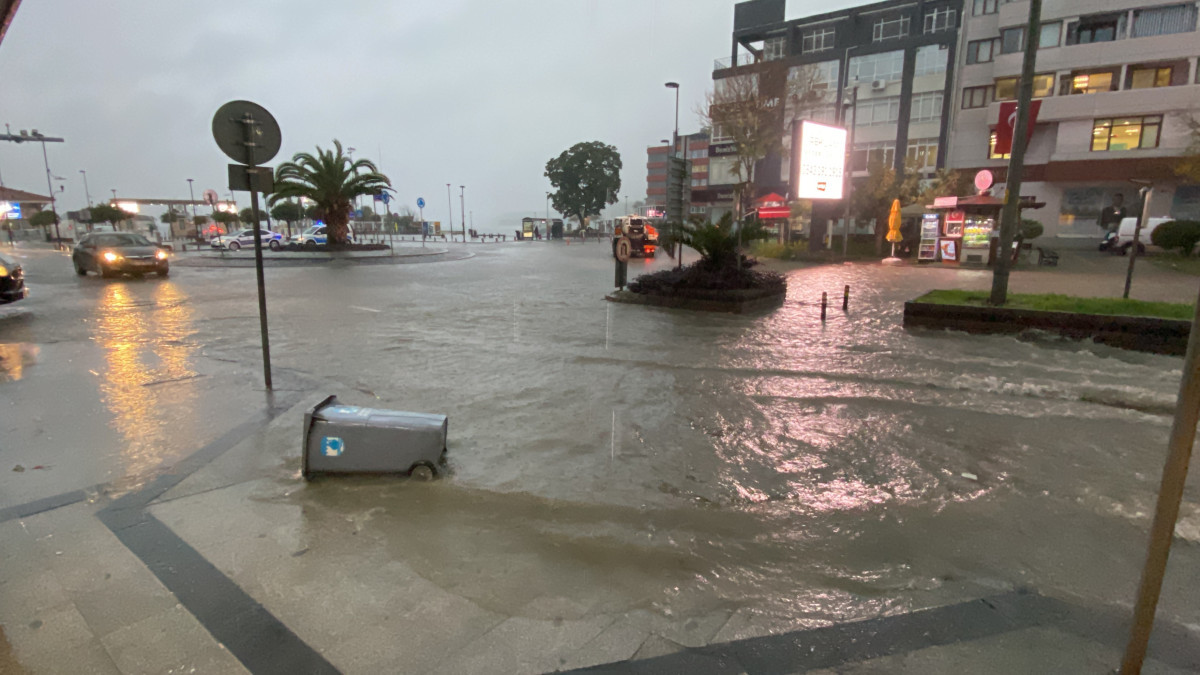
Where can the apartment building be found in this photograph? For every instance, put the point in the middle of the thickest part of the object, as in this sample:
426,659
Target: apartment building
1114,77
696,148
884,67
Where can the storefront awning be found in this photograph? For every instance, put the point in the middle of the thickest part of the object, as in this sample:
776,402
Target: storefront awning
768,212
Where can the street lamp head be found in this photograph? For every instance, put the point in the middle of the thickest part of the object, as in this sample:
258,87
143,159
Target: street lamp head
672,85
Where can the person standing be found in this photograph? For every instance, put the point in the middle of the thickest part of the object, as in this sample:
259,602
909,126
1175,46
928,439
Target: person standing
1112,215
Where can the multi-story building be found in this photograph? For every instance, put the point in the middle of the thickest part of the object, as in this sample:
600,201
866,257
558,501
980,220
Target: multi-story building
1115,79
894,58
696,148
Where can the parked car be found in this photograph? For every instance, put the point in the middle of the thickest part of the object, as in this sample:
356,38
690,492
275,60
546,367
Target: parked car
112,253
313,237
12,280
1123,241
237,240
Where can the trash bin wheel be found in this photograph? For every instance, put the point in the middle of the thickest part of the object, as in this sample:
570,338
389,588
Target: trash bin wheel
423,472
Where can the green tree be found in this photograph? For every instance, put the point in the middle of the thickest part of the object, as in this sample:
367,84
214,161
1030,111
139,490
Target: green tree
585,178
332,180
288,212
246,215
1177,234
872,198
946,183
228,220
718,243
1188,167
43,219
107,213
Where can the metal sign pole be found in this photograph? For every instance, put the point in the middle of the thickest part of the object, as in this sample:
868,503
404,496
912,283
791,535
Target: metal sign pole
249,123
1147,192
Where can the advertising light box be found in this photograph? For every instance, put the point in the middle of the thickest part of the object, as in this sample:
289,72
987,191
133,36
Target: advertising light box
819,161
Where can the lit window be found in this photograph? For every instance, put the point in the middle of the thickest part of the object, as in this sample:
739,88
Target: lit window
890,29
1126,133
1091,83
1006,89
1147,78
939,19
992,154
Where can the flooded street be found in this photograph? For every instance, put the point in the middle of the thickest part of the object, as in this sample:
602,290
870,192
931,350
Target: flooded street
773,469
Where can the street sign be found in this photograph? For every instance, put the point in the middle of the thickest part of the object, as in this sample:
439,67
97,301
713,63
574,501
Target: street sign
239,178
420,202
984,180
211,197
624,249
246,132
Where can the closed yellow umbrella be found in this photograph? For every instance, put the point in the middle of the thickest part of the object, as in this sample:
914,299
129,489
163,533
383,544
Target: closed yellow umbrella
893,234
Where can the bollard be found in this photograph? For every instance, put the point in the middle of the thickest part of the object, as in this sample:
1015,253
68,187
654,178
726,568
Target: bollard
824,301
846,298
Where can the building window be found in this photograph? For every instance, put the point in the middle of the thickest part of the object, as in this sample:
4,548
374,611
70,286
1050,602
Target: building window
976,97
697,154
982,7
657,171
1148,78
992,154
1006,87
1096,28
931,60
939,19
866,154
1088,82
719,135
774,48
890,29
922,154
698,182
874,112
1126,133
981,51
1012,40
1164,20
1050,35
926,107
886,66
817,40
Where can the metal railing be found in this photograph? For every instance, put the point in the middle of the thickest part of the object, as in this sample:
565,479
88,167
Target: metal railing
727,62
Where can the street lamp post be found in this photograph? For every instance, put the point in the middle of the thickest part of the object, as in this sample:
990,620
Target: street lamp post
450,205
675,136
50,186
86,193
462,208
192,195
114,191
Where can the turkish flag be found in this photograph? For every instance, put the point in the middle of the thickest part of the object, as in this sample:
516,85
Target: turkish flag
1008,122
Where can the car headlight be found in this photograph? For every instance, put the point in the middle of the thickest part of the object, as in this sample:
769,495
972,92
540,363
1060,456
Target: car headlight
160,254
3,271
109,256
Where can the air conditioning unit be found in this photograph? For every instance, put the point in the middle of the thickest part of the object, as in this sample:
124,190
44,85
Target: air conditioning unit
879,85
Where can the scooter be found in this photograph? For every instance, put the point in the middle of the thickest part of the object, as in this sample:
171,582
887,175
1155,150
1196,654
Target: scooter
1109,243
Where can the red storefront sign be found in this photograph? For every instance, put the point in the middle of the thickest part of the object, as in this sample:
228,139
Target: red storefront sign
1008,122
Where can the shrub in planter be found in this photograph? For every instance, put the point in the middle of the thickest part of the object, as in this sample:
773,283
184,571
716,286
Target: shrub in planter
1030,229
1177,234
718,268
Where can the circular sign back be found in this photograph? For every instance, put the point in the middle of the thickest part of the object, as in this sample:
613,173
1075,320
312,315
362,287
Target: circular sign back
624,249
984,180
210,197
237,124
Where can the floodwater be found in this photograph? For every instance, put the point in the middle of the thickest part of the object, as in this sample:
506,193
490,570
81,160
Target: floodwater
805,472
627,457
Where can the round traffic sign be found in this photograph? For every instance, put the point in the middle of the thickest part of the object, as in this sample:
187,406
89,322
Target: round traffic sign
246,132
984,180
420,202
210,197
624,249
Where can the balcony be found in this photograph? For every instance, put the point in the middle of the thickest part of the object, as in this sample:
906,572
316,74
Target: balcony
727,63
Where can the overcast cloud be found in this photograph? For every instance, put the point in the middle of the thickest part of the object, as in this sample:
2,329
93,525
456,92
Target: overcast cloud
469,92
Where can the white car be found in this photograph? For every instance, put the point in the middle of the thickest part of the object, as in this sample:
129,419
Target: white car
314,236
237,240
1124,239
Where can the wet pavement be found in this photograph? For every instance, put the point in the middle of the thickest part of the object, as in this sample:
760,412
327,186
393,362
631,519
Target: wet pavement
625,482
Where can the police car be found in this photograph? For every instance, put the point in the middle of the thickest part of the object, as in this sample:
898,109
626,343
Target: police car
244,238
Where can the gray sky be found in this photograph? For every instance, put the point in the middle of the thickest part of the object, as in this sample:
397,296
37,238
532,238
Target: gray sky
469,92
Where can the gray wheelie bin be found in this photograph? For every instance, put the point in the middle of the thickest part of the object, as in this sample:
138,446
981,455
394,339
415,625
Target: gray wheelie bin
349,439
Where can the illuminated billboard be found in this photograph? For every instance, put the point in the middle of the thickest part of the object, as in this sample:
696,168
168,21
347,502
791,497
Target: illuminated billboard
818,161
10,211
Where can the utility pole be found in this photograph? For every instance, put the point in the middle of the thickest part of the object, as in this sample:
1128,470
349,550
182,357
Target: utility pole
86,193
848,187
450,205
1011,213
192,195
462,204
43,139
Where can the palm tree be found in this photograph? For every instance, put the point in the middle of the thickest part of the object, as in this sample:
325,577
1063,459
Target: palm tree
331,180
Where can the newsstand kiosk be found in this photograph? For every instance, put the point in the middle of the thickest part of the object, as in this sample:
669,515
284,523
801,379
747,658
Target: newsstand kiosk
963,230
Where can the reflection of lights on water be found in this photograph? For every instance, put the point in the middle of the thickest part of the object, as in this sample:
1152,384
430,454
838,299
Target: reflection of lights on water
14,358
134,336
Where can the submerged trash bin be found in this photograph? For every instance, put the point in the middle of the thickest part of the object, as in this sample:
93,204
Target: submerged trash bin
349,439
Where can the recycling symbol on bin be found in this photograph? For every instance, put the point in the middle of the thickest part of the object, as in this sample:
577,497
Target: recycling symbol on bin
332,446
